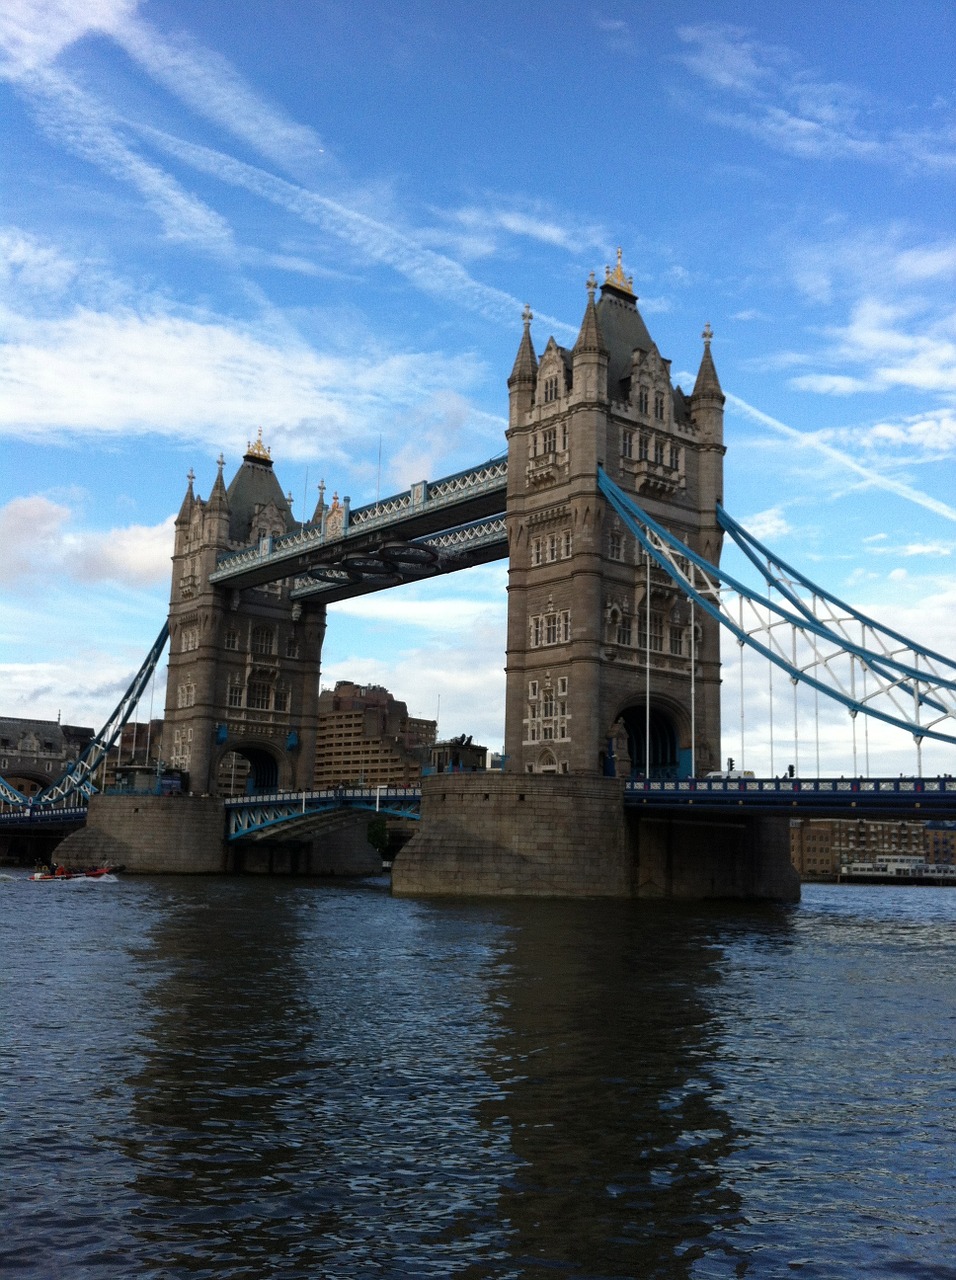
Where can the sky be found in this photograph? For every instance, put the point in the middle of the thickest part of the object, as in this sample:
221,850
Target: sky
323,220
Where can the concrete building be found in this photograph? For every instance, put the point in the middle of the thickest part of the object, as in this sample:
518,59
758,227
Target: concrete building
601,647
365,737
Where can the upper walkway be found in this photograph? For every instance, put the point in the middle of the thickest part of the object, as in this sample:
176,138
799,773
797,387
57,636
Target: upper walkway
433,527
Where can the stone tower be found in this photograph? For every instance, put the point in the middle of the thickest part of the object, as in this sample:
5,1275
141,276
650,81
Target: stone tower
609,671
243,665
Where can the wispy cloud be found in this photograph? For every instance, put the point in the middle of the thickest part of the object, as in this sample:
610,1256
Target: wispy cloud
379,242
873,477
73,118
789,108
210,86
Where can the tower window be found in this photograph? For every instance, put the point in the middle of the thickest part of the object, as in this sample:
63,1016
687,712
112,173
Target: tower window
659,406
627,444
642,400
231,640
258,695
549,439
263,640
550,389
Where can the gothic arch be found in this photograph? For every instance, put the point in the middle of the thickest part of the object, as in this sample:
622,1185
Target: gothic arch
251,767
668,729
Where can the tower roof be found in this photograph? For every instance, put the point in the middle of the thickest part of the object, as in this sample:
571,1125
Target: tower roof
622,325
254,486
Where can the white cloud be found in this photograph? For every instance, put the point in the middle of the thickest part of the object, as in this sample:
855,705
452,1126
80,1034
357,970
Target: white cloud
35,32
769,524
171,375
42,543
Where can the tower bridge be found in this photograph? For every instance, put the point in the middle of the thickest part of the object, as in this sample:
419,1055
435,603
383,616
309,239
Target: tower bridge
609,509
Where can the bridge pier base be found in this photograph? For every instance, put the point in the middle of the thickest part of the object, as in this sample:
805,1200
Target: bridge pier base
153,835
532,835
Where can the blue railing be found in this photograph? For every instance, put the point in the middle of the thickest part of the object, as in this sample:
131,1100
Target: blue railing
834,793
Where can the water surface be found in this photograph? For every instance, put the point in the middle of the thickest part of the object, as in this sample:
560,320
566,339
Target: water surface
243,1078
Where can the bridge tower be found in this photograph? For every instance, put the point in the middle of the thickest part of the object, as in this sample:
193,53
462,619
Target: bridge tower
608,670
243,665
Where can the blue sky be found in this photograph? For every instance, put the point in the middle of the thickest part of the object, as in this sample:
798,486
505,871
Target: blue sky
324,219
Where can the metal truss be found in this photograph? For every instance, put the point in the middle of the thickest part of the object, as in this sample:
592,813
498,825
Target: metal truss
818,640
260,817
77,781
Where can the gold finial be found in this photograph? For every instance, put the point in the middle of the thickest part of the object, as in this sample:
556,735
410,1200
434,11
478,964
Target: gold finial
258,449
591,285
617,278
707,335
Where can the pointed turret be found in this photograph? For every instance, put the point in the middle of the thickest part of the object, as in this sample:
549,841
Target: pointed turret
526,362
524,374
589,355
217,499
707,385
189,501
590,339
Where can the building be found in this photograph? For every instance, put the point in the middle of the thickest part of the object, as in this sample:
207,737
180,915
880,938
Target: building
940,843
34,753
820,846
458,755
608,671
366,738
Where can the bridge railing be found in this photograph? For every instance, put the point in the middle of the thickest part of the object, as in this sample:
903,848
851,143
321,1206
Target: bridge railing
798,791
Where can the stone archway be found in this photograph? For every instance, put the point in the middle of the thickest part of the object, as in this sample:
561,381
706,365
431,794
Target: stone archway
632,744
246,770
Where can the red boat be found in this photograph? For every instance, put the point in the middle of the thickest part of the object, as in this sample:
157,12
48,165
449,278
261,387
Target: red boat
61,873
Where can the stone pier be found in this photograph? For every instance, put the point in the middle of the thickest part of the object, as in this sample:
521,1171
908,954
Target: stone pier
514,835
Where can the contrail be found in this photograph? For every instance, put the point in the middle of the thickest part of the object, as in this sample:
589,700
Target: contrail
872,477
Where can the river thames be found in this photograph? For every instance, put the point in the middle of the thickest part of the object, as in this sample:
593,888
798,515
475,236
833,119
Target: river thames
242,1079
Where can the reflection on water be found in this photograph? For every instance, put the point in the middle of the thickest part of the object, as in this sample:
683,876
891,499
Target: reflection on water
603,1062
248,1079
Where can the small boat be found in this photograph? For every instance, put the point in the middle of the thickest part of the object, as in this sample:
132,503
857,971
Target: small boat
61,873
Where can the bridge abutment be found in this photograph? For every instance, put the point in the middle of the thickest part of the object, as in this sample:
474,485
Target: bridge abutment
533,835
